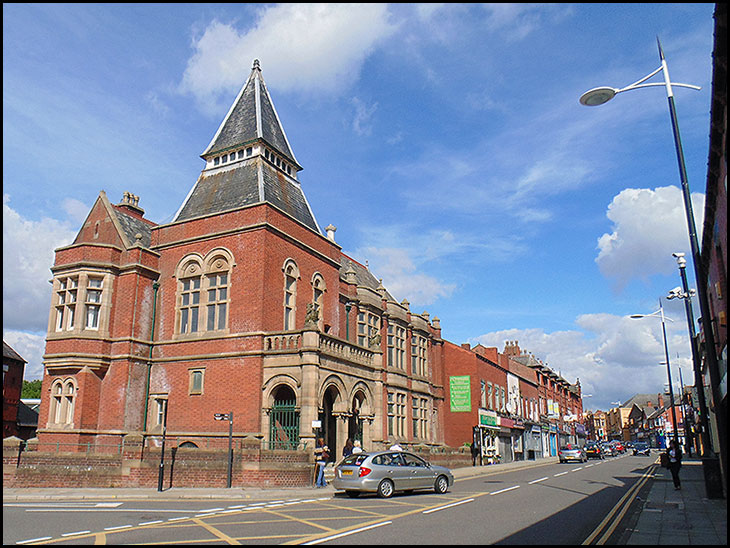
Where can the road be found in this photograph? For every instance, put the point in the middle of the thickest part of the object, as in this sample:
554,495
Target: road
547,504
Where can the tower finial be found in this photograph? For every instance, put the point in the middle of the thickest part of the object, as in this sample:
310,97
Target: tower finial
256,64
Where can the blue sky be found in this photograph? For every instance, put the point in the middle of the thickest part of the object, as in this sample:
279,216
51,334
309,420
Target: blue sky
444,141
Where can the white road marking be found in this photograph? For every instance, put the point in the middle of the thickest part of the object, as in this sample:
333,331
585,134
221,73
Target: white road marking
347,533
75,533
447,506
538,480
505,490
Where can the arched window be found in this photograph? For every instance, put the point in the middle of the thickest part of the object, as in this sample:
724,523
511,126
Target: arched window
62,402
217,281
318,289
69,393
56,401
291,274
189,278
204,292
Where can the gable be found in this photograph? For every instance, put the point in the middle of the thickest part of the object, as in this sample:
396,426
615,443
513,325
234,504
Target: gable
109,225
99,226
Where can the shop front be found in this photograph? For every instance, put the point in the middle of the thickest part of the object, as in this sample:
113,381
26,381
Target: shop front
533,441
506,443
489,431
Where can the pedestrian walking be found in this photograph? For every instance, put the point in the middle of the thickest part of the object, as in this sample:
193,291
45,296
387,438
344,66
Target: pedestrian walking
321,456
347,449
674,462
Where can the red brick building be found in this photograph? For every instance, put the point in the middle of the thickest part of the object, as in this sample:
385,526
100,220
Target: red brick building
521,408
13,367
240,305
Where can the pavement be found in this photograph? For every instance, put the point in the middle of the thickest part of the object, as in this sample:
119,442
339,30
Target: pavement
667,516
684,516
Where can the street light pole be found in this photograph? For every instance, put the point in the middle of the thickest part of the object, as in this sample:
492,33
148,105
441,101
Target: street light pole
598,96
686,295
669,370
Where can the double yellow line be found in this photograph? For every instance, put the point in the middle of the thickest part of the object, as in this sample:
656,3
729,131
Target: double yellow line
614,517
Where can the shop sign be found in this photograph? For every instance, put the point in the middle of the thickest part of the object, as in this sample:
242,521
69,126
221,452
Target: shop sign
460,393
488,419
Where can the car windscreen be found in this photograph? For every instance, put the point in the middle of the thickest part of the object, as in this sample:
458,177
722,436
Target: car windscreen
354,460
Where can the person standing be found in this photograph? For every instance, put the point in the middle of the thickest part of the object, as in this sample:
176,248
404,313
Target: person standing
357,447
347,449
674,460
321,456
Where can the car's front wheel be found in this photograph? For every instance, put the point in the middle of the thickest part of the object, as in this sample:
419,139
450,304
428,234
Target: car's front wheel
385,489
441,485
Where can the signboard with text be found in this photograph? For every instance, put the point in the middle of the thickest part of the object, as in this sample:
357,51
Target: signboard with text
460,393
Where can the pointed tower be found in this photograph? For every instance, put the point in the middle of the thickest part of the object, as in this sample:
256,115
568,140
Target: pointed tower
249,161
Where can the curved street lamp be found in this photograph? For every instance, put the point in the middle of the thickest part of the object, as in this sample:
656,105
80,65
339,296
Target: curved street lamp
598,96
666,355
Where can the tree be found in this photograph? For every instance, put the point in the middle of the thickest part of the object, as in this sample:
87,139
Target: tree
31,389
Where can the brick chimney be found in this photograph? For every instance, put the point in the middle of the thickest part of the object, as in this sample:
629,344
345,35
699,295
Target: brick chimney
511,348
130,203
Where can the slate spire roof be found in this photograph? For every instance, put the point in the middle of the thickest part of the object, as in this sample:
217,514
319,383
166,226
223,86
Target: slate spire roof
252,116
249,161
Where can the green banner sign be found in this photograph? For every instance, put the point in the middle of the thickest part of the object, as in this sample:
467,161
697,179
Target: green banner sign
460,392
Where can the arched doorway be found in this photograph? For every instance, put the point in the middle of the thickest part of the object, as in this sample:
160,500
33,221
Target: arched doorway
355,422
284,419
328,420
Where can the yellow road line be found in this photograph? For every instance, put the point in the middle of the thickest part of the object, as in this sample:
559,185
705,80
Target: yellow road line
216,532
621,507
375,522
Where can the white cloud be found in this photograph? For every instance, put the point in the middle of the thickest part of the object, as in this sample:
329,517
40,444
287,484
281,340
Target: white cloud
28,254
648,226
30,347
614,357
400,275
362,121
303,47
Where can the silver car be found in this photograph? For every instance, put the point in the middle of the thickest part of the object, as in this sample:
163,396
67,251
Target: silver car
386,472
572,452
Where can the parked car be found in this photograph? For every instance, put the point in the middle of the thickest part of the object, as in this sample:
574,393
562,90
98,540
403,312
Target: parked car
618,446
572,452
642,448
608,450
593,451
385,472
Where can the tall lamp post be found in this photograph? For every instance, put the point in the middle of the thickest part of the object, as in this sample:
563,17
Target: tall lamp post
666,356
598,96
686,294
